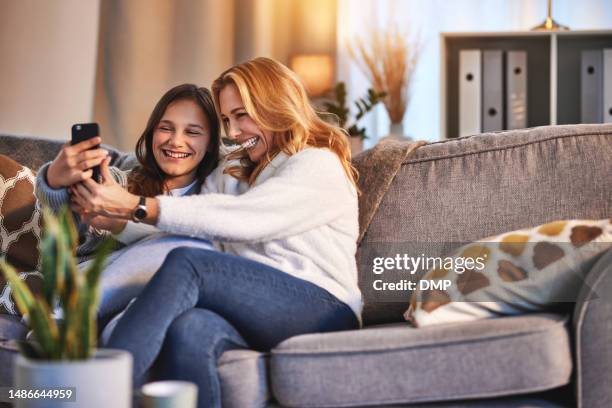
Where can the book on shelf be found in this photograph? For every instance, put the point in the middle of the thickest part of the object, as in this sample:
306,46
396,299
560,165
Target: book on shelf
591,86
469,92
516,90
607,85
492,90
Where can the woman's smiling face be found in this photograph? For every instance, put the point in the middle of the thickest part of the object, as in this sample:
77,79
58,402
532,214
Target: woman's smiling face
240,126
180,141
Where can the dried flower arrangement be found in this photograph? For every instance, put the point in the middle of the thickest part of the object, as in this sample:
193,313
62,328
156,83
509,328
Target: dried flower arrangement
388,59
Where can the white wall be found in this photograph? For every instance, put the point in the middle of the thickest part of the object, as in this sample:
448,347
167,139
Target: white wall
47,65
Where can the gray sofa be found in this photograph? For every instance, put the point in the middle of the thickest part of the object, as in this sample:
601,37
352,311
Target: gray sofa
447,193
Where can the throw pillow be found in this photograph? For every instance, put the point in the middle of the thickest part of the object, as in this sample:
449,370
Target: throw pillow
521,271
20,229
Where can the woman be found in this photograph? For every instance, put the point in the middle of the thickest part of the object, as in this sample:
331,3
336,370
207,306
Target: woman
177,150
287,228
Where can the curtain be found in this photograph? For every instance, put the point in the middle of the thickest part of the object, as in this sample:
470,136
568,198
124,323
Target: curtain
147,46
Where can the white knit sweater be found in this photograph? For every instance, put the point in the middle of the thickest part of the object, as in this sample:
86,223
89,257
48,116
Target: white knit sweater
300,216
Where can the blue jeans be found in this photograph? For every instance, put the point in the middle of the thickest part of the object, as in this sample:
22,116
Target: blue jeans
201,303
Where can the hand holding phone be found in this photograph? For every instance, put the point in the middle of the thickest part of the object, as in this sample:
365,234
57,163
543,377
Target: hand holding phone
75,161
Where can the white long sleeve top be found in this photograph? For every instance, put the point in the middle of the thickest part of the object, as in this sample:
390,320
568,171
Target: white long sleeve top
300,216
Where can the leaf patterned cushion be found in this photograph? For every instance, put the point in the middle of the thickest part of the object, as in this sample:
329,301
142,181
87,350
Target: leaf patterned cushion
20,229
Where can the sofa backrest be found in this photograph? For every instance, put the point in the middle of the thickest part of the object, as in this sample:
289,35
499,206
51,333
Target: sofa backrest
33,152
457,191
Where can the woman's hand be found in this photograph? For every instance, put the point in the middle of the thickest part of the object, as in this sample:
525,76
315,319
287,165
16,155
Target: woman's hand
107,199
100,222
73,163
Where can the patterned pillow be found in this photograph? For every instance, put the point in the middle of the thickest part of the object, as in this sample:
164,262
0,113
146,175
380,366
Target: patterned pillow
516,272
20,229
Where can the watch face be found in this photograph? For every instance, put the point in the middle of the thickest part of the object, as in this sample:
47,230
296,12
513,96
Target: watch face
140,213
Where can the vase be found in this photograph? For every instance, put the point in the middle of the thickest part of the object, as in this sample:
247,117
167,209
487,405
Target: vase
356,144
100,382
396,132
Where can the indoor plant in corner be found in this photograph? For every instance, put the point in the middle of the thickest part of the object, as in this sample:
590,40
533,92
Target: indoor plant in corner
60,365
338,107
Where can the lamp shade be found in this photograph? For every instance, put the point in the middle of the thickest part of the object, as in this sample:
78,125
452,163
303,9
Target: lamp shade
315,70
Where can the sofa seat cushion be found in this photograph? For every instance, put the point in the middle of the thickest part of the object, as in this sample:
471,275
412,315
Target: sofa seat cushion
243,377
399,364
12,328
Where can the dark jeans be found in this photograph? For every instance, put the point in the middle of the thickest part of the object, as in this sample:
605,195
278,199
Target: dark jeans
201,303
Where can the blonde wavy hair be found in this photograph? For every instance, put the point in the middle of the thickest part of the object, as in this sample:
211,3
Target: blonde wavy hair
276,100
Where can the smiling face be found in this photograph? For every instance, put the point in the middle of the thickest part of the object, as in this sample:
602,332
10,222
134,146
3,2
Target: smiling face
240,126
180,141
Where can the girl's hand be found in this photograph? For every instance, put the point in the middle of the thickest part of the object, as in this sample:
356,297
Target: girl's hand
107,199
73,163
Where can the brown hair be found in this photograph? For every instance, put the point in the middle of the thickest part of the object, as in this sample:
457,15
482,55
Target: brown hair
148,179
276,100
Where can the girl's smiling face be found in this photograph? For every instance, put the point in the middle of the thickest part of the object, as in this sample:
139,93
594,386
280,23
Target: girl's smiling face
240,126
180,142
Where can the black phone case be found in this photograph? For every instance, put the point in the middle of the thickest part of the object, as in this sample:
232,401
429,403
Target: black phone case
86,131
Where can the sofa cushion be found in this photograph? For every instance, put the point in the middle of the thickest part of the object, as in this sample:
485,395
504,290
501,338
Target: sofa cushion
12,328
450,193
8,353
528,270
243,377
399,364
20,229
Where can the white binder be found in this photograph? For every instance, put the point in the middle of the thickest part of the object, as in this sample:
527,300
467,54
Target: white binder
516,90
591,86
469,92
492,90
607,85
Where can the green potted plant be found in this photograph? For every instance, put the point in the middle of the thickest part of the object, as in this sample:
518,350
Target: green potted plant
60,364
337,105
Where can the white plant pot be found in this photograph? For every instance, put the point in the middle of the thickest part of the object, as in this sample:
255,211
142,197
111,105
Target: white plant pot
101,382
396,132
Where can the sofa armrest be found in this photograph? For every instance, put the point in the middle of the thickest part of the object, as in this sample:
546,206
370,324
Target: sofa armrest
593,334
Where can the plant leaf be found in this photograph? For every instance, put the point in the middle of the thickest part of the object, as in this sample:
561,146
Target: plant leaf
22,294
30,349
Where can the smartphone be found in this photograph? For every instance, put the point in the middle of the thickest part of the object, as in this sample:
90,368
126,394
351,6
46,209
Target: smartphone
85,131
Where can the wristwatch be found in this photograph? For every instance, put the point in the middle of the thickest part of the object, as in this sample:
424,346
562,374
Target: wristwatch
140,212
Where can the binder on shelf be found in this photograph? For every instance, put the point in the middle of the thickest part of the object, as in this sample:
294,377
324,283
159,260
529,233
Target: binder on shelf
492,90
516,90
607,85
469,92
591,91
